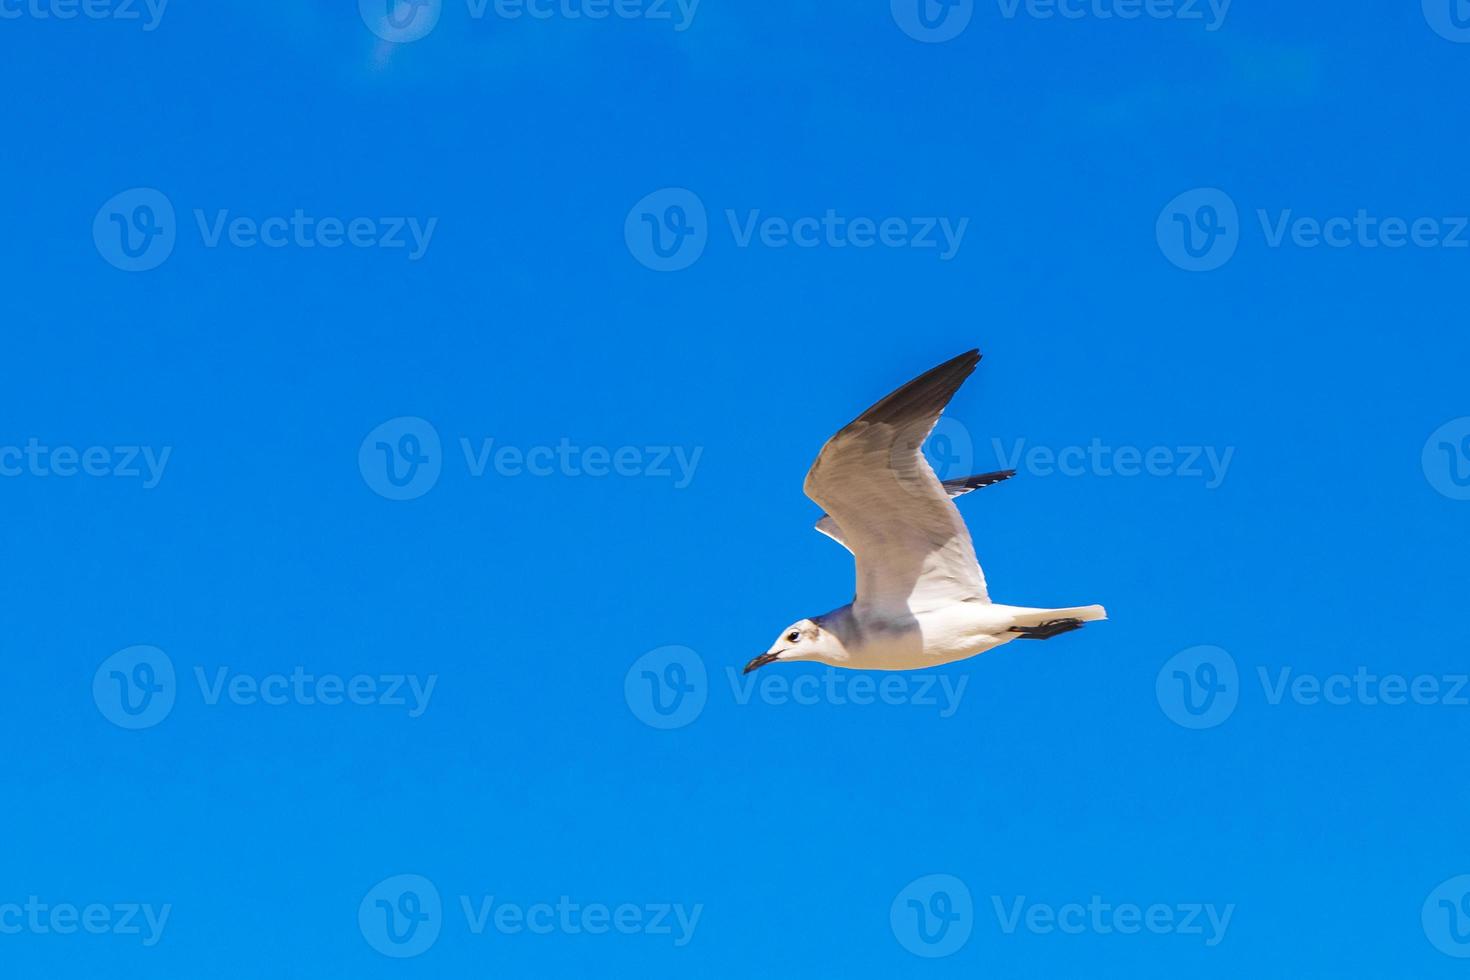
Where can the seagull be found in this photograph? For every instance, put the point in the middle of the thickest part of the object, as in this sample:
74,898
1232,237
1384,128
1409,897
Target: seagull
921,596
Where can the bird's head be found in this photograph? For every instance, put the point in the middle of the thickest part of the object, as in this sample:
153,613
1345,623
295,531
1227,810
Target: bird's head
802,640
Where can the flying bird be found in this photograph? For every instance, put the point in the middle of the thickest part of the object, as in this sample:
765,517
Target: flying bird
921,596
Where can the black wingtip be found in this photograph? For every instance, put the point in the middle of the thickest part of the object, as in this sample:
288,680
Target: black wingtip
968,359
965,484
924,396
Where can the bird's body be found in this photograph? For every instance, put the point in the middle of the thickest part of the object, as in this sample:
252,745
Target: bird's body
876,640
921,596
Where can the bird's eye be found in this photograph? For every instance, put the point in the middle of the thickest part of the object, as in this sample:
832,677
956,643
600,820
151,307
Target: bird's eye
793,636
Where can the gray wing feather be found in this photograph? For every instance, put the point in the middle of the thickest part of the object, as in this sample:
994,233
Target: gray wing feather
909,542
955,488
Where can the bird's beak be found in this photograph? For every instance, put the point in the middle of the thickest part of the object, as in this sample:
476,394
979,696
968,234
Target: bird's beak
761,661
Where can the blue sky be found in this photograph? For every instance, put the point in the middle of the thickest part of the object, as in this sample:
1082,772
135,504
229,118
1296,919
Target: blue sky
383,499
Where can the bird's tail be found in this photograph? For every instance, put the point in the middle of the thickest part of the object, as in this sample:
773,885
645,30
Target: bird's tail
1035,617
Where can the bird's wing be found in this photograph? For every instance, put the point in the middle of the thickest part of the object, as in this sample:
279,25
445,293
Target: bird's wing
954,488
910,545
